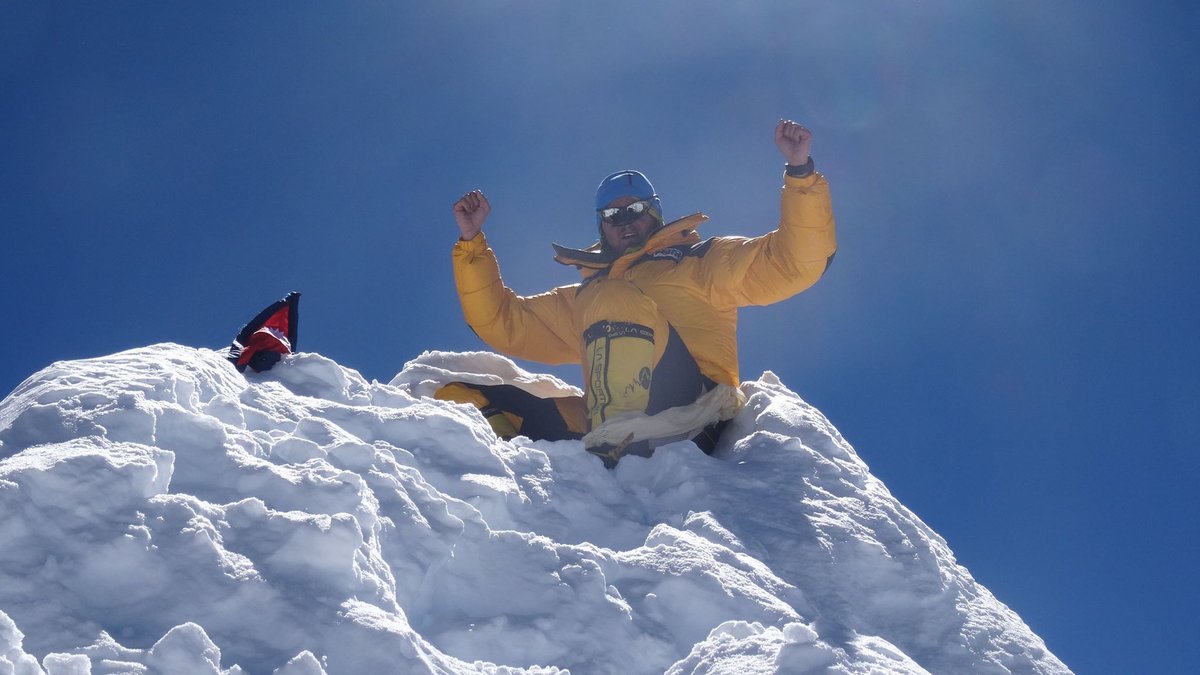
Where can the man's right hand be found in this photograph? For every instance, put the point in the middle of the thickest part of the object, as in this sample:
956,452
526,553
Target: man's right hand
469,212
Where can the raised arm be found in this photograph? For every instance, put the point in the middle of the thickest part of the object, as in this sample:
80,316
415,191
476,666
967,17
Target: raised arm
537,327
782,263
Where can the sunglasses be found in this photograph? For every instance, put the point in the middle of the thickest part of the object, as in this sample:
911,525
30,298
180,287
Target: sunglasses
624,214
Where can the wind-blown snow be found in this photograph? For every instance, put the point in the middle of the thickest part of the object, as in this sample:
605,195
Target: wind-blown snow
162,513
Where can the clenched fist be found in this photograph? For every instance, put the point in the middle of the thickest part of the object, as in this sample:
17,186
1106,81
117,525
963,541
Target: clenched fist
469,212
794,141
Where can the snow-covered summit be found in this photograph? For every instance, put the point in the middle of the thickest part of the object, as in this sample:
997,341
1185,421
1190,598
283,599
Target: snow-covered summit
162,513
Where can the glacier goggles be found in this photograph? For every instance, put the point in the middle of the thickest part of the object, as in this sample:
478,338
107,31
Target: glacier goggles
620,215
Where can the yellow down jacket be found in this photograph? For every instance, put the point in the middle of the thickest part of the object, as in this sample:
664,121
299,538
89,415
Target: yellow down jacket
697,285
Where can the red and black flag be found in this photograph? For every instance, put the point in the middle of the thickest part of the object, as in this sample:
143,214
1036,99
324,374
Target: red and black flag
268,336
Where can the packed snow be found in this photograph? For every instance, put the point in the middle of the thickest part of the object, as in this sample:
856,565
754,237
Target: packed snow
162,513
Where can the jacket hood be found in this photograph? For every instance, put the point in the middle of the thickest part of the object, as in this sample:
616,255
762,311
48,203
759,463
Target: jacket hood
594,259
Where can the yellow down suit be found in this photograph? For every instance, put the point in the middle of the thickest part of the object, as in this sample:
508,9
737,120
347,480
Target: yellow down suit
617,321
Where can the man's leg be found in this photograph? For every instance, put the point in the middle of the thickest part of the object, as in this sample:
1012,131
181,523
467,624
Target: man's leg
624,337
512,411
634,360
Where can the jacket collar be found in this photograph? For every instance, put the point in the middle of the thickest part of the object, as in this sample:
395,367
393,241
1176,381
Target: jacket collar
592,260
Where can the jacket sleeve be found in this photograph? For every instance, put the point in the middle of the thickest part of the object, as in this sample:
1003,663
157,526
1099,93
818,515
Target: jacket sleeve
762,270
537,328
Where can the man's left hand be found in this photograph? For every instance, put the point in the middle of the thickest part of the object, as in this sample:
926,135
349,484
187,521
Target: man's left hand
794,141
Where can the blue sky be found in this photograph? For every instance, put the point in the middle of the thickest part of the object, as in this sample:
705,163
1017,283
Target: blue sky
1008,335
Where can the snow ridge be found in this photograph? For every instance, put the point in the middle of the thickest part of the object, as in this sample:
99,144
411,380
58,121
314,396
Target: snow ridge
162,513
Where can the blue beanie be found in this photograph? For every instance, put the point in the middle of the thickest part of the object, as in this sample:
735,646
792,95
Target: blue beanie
626,183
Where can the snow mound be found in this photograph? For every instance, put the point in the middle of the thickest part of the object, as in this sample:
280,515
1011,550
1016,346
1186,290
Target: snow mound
162,513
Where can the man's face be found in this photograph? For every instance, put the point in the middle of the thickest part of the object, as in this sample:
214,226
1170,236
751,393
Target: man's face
632,234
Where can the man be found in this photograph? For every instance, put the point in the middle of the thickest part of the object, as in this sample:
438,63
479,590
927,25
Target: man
653,323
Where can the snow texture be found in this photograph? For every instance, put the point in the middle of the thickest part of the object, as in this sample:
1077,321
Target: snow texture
162,513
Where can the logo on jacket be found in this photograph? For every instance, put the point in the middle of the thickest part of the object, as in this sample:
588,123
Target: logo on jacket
670,253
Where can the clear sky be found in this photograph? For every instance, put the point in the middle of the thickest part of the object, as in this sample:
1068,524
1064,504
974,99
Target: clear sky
1008,336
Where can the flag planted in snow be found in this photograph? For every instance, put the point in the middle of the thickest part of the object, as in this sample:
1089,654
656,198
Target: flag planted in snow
268,336
163,513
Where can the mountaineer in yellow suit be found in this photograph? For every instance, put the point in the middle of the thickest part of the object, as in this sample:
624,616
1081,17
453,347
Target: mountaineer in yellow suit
653,322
